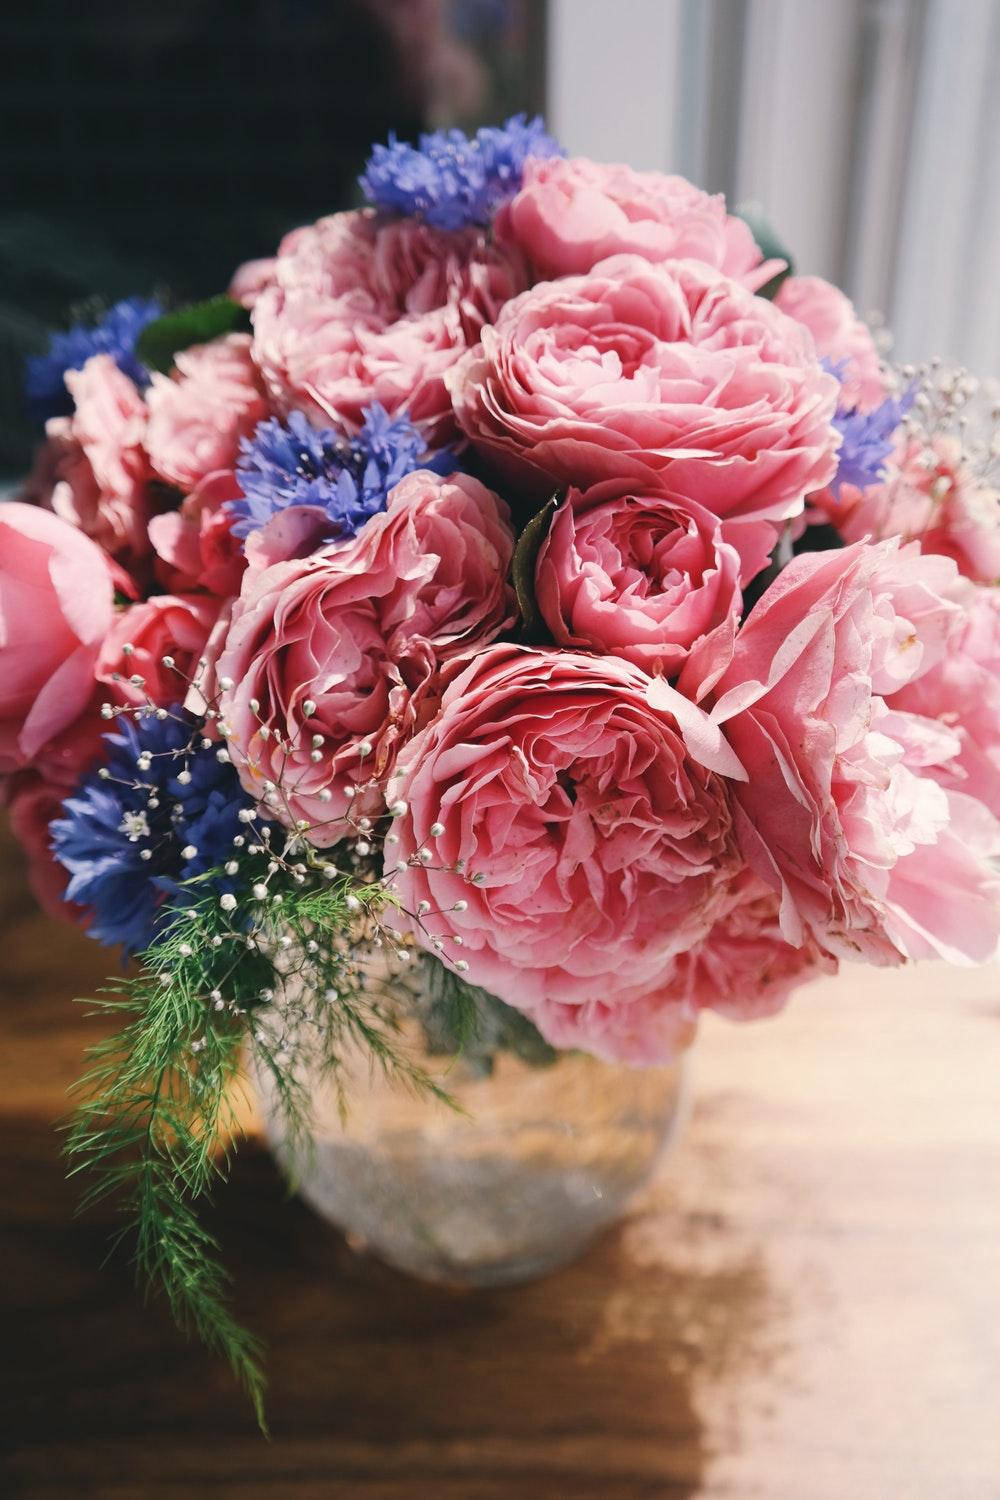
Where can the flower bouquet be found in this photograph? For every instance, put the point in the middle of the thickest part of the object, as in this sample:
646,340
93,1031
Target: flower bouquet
526,579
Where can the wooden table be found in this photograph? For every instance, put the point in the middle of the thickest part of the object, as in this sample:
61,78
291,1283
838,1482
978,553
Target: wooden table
806,1306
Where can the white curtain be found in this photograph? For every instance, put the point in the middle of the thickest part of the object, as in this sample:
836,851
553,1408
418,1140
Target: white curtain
869,131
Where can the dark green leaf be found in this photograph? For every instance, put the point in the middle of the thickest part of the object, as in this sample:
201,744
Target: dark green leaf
769,245
523,567
198,323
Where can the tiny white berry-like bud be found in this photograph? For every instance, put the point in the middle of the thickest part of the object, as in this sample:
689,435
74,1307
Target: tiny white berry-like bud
353,904
232,867
317,740
309,707
278,899
423,907
185,950
145,853
436,830
152,802
217,941
315,756
365,748
166,977
324,794
137,680
456,939
223,756
107,712
479,878
168,661
461,966
302,824
392,838
226,684
425,856
184,778
227,901
246,815
398,809
161,713
254,705
331,997
215,995
461,906
264,732
312,946
127,648
104,773
260,891
189,852
239,841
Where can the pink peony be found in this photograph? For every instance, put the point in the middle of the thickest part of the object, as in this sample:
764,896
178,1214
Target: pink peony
840,337
587,838
198,415
650,579
55,610
195,547
668,377
360,630
930,496
166,625
570,214
363,310
843,814
93,470
252,278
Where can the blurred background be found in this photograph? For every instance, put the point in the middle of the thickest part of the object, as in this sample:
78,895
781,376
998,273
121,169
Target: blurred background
156,146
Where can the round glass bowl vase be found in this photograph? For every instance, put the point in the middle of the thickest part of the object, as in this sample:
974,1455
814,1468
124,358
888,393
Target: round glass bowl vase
515,1182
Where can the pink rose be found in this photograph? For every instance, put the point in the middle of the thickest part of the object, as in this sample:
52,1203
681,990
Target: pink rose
364,310
570,214
962,692
648,578
587,838
360,630
250,279
840,337
93,470
195,547
671,377
931,496
166,625
843,813
32,802
55,610
198,415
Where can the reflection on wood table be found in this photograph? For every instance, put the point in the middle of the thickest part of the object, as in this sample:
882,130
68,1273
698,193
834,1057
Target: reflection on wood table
805,1306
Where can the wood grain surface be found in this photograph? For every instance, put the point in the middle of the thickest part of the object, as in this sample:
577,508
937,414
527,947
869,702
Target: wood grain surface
805,1306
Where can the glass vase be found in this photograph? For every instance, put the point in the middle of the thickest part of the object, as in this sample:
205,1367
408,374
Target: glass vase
533,1163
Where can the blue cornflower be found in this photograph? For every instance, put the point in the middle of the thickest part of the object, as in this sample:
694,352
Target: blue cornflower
293,463
866,439
451,181
116,334
130,839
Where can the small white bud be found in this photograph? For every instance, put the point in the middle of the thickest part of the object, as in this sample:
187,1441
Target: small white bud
363,847
226,684
325,794
315,756
104,773
127,648
425,856
107,712
227,901
317,741
353,904
398,809
260,891
223,756
436,830
246,815
145,853
167,661
232,867
217,941
215,995
185,950
461,906
137,680
331,996
189,852
309,707
423,907
184,777
365,748
254,705
461,966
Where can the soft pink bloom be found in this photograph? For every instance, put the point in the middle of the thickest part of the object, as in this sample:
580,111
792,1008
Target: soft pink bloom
840,335
594,834
360,630
364,310
570,214
649,578
55,610
32,802
930,496
198,415
843,813
166,625
669,376
962,692
252,278
93,470
195,547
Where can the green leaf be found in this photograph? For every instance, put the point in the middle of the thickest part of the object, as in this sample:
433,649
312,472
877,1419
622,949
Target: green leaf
769,245
198,323
523,566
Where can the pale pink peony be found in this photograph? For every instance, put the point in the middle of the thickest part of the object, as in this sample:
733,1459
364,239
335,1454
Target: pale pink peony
55,610
929,495
360,630
570,214
843,814
671,377
252,278
171,625
198,415
93,470
840,335
587,838
364,310
648,578
195,547
962,692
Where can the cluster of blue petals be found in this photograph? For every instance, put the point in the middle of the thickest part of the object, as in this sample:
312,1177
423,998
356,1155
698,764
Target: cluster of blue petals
866,440
116,333
109,823
293,463
451,180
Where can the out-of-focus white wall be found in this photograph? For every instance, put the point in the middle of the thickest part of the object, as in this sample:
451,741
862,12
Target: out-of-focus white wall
869,130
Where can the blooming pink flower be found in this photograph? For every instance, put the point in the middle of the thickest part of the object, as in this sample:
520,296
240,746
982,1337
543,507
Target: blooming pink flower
667,376
166,625
195,546
570,214
93,470
359,631
840,335
198,415
364,310
930,496
585,837
55,610
250,279
648,578
842,814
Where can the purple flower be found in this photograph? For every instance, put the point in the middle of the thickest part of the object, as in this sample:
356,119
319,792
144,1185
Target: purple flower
116,334
866,439
450,180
